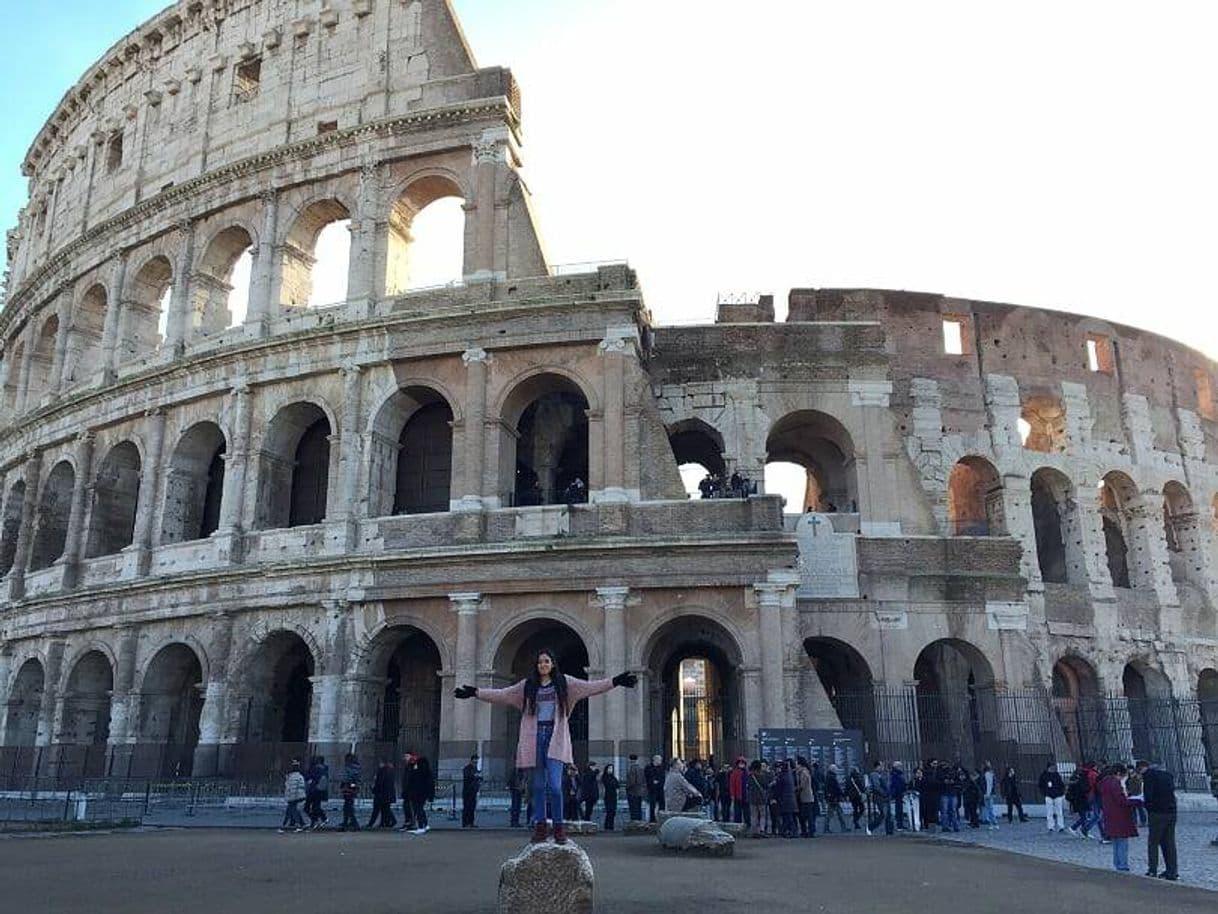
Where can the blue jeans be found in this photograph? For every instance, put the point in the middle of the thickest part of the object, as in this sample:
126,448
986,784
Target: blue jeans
987,810
547,773
949,813
1120,854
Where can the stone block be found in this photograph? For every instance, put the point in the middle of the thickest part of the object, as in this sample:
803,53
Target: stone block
582,828
696,836
663,815
640,827
555,878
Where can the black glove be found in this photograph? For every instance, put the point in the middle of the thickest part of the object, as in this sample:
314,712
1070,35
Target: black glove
628,680
465,691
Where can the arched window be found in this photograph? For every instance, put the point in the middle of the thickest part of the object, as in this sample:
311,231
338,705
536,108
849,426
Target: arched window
194,485
425,461
974,499
698,450
426,236
820,447
1056,525
42,362
956,712
54,507
549,451
1042,424
1181,529
1125,532
295,468
88,323
115,499
220,286
146,311
278,691
11,526
316,256
12,376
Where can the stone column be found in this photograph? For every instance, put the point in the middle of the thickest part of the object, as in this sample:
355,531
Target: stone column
177,327
1146,529
465,669
209,751
875,459
124,704
236,461
149,477
488,153
264,281
349,444
1017,508
75,540
613,601
473,487
50,693
6,668
64,313
114,307
1094,554
27,366
612,487
366,271
325,724
25,533
769,609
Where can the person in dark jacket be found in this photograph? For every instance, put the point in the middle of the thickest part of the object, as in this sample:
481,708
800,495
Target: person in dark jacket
589,790
755,793
856,791
471,783
420,790
971,796
517,783
933,789
788,804
1010,793
609,782
654,775
317,784
349,788
407,816
382,797
570,791
897,785
1053,788
1159,798
1119,825
696,775
952,788
835,794
881,803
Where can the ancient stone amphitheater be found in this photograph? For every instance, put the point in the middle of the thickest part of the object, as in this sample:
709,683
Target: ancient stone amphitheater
228,538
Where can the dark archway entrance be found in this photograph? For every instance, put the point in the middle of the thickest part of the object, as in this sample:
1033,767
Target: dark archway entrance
408,713
278,698
955,696
171,702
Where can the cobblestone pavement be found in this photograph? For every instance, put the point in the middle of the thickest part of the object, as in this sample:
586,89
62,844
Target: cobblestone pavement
1194,831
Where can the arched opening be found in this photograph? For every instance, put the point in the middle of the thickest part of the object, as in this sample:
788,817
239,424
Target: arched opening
220,285
1152,721
88,327
694,697
279,694
974,499
1125,532
85,722
1076,698
405,664
698,450
1042,424
956,713
41,362
12,377
1185,551
1055,522
546,461
171,702
24,703
295,461
513,660
846,679
11,526
426,236
411,454
316,256
116,492
1207,698
54,508
820,446
194,485
145,315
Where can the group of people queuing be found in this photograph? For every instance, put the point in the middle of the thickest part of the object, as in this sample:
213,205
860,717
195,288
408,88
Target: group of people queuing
417,789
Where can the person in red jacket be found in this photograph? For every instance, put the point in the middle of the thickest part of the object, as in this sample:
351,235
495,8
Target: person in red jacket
1119,823
736,790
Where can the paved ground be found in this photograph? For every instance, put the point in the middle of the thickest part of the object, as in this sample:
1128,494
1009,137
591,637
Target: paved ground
1194,831
203,870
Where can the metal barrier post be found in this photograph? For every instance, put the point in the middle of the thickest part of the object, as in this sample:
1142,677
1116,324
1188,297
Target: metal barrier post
147,797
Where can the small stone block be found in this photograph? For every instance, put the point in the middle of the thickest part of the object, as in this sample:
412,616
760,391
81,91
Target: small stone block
700,837
554,878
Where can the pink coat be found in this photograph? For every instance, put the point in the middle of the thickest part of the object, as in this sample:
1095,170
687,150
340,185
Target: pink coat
560,742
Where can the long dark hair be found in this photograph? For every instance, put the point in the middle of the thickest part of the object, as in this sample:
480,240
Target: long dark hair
532,683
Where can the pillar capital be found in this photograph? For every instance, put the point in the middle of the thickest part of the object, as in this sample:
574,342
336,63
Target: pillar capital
481,356
467,603
612,598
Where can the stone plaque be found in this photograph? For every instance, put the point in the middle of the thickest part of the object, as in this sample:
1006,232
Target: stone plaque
828,561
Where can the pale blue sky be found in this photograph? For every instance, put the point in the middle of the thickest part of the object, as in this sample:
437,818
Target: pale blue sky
1047,153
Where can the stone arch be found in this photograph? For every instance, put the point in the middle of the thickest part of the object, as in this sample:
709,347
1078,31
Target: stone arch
1123,513
401,690
1148,698
843,677
216,304
411,197
974,498
1185,547
42,361
10,525
1075,691
170,707
955,698
544,439
1042,424
24,703
697,447
145,317
116,490
54,510
822,446
411,452
12,378
274,699
86,356
295,466
300,248
86,700
1056,524
364,657
194,484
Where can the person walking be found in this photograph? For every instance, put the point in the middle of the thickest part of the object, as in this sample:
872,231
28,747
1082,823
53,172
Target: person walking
317,790
834,796
724,789
737,782
1076,797
609,782
757,795
1159,798
636,788
773,800
679,794
1053,788
805,798
949,800
407,816
856,791
695,774
971,796
912,799
788,803
349,789
1010,793
382,797
516,785
1119,824
896,792
877,787
420,790
294,793
589,790
471,783
654,775
932,794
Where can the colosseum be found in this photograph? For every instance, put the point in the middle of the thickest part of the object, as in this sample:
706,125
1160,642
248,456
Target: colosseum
240,522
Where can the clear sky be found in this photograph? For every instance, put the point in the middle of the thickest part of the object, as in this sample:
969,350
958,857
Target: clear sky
1060,154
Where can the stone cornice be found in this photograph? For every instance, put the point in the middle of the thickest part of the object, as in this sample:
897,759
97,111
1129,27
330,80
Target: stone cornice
58,268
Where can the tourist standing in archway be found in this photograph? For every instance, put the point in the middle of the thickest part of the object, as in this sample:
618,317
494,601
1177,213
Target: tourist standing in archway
545,699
